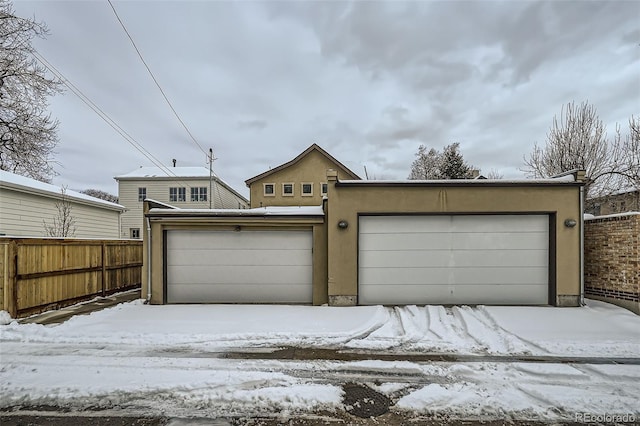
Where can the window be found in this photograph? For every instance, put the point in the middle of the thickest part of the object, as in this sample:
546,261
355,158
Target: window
324,188
134,233
177,194
287,189
142,194
269,190
199,193
307,189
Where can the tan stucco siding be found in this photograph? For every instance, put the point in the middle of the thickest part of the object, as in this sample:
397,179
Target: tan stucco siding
158,189
24,214
348,202
310,169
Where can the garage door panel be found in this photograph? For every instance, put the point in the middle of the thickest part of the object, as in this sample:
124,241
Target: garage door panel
408,224
403,275
514,258
499,259
461,258
461,294
239,257
404,258
498,240
507,223
439,276
239,267
237,275
251,292
201,240
415,241
501,275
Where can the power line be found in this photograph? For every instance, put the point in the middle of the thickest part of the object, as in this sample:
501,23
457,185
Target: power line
105,117
154,78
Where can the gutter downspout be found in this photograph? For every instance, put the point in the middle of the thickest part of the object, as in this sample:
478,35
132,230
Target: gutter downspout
582,246
148,261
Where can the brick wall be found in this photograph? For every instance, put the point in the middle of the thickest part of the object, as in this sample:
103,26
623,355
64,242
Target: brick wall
612,259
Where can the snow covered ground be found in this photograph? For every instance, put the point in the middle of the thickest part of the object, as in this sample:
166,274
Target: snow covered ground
168,360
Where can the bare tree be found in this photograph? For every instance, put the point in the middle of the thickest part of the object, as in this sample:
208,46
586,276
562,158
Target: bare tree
27,132
495,174
97,193
578,140
63,224
624,172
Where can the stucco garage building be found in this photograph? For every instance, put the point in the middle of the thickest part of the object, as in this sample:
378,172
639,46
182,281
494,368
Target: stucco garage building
377,242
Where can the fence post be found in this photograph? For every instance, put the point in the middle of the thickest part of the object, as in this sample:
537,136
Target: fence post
104,268
11,279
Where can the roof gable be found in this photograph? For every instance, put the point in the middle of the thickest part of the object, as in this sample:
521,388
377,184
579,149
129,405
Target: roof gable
305,153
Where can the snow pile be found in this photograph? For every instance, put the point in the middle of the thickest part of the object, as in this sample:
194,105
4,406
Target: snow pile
5,318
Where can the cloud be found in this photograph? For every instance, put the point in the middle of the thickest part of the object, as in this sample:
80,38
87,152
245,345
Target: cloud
252,124
369,81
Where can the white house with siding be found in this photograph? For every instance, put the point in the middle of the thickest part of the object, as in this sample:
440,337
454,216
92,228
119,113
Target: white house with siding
182,187
27,204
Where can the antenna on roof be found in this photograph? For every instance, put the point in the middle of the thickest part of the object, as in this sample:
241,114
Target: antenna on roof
366,175
174,162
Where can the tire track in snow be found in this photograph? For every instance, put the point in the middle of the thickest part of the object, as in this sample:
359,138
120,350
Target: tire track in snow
464,328
492,322
431,313
446,326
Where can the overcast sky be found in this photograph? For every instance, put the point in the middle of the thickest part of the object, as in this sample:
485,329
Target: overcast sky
368,81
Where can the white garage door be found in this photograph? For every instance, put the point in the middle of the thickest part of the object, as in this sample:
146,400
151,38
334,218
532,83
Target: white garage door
239,267
496,259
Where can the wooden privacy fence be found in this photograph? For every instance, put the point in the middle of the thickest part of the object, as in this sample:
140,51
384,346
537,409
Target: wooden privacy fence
40,274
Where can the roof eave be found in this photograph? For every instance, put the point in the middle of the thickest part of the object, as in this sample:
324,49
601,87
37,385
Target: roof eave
457,183
57,196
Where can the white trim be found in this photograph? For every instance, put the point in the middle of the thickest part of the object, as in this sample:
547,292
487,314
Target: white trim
293,190
306,194
264,190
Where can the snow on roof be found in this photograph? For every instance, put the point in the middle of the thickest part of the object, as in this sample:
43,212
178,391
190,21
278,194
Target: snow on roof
25,184
260,211
608,216
167,172
562,179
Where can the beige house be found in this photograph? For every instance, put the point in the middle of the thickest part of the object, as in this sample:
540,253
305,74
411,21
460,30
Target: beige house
497,242
183,187
299,182
26,205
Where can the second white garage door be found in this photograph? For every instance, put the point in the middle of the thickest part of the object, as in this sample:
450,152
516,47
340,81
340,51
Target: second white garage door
492,259
239,267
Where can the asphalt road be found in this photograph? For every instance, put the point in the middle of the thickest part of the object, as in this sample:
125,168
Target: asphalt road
326,419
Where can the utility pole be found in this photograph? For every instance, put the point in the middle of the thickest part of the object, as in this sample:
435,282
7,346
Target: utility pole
210,177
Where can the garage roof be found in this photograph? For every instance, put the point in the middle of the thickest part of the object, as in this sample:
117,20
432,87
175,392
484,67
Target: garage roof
257,212
561,180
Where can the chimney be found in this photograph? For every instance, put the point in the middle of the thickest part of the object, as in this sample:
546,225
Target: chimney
174,162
